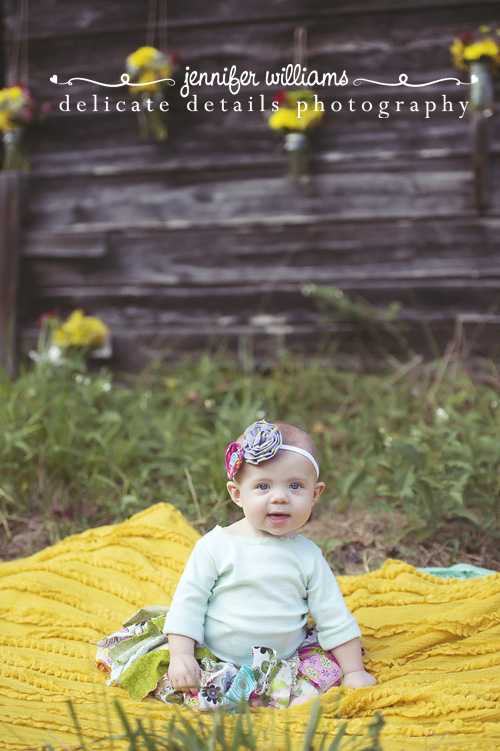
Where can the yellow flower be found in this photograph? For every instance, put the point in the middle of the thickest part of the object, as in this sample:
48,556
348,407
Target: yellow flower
286,118
283,119
13,100
457,54
10,93
485,48
144,57
80,331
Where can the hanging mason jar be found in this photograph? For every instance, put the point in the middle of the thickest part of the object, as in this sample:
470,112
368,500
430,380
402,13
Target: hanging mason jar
297,147
481,87
15,153
152,121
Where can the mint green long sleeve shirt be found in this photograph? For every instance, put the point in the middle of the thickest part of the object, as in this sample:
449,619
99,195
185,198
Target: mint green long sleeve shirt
237,593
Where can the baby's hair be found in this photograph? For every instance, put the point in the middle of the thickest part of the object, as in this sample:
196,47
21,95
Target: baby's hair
295,436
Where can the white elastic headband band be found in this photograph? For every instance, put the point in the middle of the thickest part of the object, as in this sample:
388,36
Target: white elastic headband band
305,453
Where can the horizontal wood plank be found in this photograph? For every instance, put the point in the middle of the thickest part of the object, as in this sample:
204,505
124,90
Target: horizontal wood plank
81,16
60,245
155,301
163,199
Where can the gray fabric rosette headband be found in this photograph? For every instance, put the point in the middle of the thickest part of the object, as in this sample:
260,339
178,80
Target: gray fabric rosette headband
261,441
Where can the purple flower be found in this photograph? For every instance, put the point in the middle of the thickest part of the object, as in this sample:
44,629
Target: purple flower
261,441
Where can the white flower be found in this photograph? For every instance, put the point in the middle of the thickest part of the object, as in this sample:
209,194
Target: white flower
54,354
106,386
442,415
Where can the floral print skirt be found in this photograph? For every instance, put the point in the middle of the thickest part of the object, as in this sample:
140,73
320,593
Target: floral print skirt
137,657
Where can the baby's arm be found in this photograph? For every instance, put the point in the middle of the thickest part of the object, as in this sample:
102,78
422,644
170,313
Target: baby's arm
350,659
184,672
336,624
184,623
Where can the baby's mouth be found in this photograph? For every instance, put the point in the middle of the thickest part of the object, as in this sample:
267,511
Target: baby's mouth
278,517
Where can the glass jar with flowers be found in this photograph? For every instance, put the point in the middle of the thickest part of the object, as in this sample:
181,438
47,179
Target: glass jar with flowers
478,54
72,342
18,111
151,74
294,115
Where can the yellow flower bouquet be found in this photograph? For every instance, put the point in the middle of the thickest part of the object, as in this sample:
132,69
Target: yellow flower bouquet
18,110
294,114
479,55
150,73
85,332
480,47
71,342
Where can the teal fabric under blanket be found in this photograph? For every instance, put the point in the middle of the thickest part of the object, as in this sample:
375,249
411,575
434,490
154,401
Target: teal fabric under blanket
458,571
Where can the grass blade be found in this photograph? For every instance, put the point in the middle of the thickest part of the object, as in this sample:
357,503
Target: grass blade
312,725
76,722
126,726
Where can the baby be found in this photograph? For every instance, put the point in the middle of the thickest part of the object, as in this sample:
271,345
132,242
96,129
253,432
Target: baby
247,589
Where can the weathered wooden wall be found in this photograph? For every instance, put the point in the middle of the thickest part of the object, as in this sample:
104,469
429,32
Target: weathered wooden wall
11,199
203,237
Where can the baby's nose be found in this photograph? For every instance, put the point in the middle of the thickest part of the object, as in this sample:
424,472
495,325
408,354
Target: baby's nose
280,496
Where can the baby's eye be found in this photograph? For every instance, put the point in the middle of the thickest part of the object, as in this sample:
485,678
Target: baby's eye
263,486
295,485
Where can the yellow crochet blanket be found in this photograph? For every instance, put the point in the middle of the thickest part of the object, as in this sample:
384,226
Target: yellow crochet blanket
433,644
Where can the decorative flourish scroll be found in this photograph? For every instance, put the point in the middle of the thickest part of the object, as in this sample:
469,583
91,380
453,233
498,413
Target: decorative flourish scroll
403,81
124,78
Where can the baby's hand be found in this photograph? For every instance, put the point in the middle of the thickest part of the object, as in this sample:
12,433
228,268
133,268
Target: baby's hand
184,673
358,679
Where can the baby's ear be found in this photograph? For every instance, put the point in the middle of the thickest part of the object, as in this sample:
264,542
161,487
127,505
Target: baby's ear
318,489
234,492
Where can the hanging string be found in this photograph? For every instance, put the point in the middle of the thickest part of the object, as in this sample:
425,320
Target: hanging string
157,8
300,46
162,27
18,70
151,28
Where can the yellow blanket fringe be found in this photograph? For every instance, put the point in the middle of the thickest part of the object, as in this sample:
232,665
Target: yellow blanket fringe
433,644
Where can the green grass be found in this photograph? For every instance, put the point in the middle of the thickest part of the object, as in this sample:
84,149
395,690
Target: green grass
89,448
224,733
80,448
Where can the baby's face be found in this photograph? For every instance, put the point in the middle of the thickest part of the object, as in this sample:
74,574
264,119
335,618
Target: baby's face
276,495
